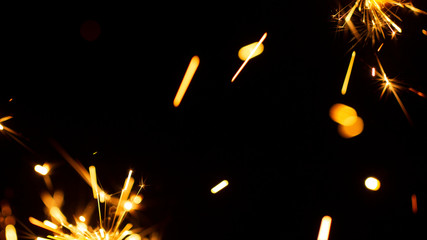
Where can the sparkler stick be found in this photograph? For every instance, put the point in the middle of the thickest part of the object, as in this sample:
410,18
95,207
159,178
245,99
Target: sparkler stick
249,57
347,75
192,67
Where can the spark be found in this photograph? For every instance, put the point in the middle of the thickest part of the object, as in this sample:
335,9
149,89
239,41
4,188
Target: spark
347,75
325,227
111,215
249,56
372,184
246,50
373,19
219,186
11,232
191,70
389,85
414,203
43,170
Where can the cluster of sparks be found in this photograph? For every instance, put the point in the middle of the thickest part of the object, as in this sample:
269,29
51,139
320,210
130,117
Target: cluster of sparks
374,21
112,210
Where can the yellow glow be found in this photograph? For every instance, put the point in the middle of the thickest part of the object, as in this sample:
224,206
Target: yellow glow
11,232
134,237
219,186
43,170
128,205
325,227
372,183
92,173
50,224
351,130
82,219
424,32
188,76
1,127
347,75
137,199
414,203
57,214
249,57
343,114
245,51
102,196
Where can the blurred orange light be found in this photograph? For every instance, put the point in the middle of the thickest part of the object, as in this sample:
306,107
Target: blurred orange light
192,67
343,114
11,232
372,183
245,51
352,130
43,170
325,227
414,203
1,127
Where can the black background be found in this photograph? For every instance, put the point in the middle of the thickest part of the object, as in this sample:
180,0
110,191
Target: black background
268,133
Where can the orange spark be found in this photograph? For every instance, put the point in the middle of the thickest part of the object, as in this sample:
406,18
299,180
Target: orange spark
347,76
192,67
325,227
414,203
249,57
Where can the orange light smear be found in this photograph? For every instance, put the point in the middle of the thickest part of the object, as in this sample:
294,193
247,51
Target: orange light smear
42,225
414,203
380,47
3,119
424,32
347,76
417,92
249,57
343,114
325,227
192,67
351,130
10,232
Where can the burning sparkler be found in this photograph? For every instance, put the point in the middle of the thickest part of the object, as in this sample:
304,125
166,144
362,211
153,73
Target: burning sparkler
112,211
373,19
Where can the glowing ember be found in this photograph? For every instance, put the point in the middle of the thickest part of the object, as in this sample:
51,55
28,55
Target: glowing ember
347,75
325,227
372,184
245,51
249,56
192,67
219,186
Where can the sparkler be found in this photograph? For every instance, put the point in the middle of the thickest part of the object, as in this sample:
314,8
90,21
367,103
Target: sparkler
373,19
111,212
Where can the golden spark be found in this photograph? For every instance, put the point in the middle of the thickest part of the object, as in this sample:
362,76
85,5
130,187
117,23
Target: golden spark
347,75
192,67
249,56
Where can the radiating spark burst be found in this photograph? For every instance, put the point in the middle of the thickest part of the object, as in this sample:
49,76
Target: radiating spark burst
112,212
373,19
392,86
11,133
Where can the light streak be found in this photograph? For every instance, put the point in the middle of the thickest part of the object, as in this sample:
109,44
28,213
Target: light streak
188,76
249,57
11,232
325,227
372,184
373,72
347,75
414,203
219,186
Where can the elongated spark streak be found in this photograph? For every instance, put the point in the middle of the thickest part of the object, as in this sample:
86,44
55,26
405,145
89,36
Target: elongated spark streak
192,67
347,76
249,57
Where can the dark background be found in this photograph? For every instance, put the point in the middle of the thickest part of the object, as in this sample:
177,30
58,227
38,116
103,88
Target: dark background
268,133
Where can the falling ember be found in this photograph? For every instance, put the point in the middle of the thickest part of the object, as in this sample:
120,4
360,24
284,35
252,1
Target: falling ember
219,186
325,227
414,203
424,32
347,75
372,184
373,72
192,67
249,56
